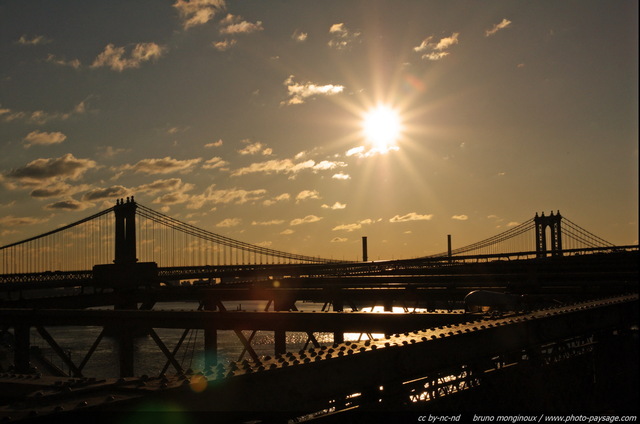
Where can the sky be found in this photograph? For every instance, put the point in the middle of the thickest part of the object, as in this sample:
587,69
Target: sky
304,125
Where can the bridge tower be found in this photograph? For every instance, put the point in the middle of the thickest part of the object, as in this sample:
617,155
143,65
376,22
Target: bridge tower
125,243
553,222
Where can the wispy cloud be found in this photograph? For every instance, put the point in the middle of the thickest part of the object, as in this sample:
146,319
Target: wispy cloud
460,217
223,45
255,148
214,143
307,194
267,223
352,227
106,193
224,196
198,12
170,184
229,222
117,59
68,205
306,220
73,63
12,221
411,216
214,163
281,198
341,36
298,93
36,40
362,152
41,117
497,27
436,50
162,166
286,166
43,138
235,25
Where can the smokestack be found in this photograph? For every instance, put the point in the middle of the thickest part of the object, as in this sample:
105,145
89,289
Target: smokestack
449,246
365,257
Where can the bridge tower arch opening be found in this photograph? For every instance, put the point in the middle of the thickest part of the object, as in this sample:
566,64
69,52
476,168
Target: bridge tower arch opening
548,226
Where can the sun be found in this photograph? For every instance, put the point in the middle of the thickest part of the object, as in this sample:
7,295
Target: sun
382,127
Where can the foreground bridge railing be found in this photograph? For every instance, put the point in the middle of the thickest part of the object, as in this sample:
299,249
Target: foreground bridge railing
563,358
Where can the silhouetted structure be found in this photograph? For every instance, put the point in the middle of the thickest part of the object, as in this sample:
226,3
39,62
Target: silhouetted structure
553,223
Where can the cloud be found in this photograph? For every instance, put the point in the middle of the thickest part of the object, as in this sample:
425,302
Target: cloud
272,222
106,193
173,198
287,232
117,59
281,198
198,12
447,42
341,37
339,240
43,138
223,45
41,117
299,36
341,176
299,93
109,151
335,206
307,194
215,162
233,25
411,216
352,227
433,50
44,170
361,152
234,195
36,40
460,217
162,166
214,144
285,166
306,220
73,63
497,27
67,205
229,222
170,184
57,189
12,221
254,148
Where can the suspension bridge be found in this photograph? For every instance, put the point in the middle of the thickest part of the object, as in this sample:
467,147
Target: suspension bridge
130,232
130,258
